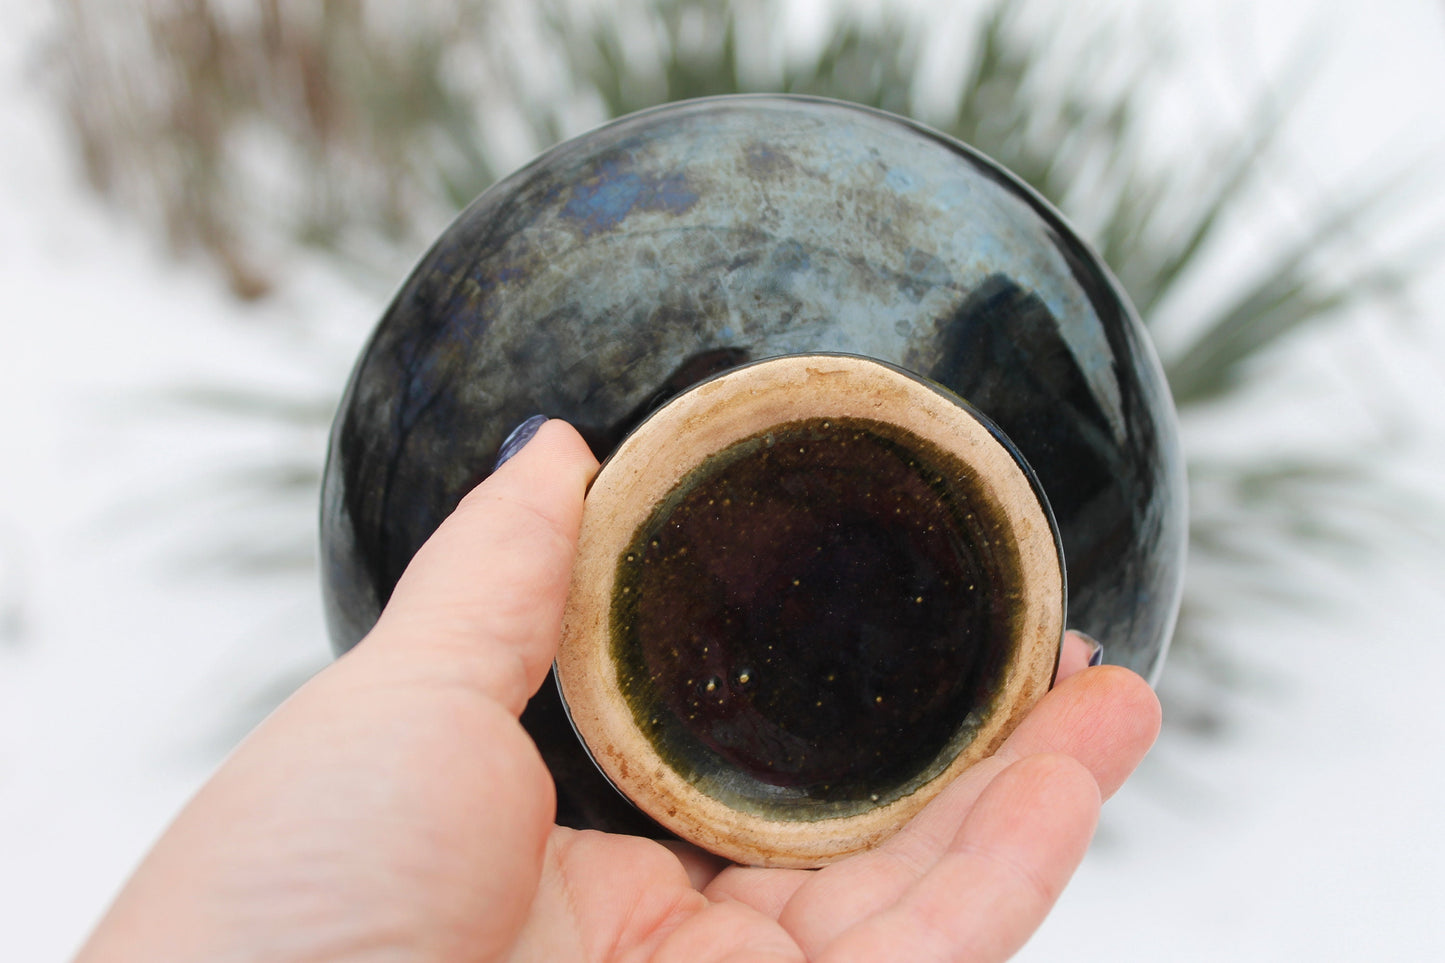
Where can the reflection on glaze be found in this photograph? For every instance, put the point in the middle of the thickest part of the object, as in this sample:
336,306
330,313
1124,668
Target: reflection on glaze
622,266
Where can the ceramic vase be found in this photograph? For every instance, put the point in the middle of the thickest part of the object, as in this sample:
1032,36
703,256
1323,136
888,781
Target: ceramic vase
660,266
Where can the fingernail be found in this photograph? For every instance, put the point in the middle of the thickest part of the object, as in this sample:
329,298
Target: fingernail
518,439
1096,648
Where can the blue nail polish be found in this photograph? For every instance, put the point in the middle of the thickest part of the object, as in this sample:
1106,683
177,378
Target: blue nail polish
518,439
1096,648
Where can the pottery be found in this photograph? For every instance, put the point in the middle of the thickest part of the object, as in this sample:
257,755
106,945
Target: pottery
809,593
624,267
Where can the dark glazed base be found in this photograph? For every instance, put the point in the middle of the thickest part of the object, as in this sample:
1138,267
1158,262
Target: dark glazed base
813,592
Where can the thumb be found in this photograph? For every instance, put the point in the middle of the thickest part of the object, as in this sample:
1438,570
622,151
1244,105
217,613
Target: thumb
482,600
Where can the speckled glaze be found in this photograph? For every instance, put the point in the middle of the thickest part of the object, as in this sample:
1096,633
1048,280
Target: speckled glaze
879,551
623,266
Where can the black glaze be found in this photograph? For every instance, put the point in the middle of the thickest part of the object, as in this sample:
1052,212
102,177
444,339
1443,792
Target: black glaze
622,266
823,611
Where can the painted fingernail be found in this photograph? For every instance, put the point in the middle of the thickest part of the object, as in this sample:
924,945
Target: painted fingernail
1096,648
518,439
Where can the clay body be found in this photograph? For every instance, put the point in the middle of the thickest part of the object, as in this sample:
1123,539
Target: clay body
624,266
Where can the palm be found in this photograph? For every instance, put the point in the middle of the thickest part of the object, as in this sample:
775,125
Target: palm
974,873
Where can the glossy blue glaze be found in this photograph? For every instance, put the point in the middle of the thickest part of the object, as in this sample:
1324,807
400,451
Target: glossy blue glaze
625,265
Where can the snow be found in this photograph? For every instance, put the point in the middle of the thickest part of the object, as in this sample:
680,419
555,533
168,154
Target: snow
1310,829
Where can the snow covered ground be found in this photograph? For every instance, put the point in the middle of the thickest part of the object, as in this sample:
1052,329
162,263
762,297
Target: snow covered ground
1312,830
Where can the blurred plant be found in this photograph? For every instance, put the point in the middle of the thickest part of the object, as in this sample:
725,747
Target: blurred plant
336,126
231,126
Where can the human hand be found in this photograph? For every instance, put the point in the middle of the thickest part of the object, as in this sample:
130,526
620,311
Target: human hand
395,809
